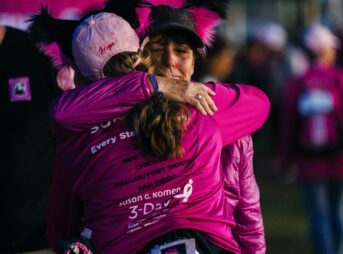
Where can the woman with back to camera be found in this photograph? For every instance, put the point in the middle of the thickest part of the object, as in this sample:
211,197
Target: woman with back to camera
119,201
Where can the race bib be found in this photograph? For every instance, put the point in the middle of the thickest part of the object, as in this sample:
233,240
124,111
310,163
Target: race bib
185,246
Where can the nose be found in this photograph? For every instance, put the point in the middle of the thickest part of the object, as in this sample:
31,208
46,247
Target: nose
168,58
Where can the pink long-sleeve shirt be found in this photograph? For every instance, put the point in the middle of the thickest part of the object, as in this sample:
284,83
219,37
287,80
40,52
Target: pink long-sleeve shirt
104,183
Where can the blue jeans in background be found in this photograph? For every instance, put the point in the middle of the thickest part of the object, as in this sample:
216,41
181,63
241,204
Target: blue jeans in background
325,205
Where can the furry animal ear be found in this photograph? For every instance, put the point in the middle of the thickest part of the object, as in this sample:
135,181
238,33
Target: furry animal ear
53,38
144,20
55,53
45,28
220,7
207,15
64,66
205,23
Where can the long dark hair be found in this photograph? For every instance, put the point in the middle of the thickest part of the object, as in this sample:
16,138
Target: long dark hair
158,121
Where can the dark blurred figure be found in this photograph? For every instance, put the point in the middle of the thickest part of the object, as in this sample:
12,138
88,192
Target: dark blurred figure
338,30
263,63
312,138
27,87
263,54
219,61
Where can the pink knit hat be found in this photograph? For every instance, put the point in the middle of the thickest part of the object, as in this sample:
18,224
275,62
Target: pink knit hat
97,39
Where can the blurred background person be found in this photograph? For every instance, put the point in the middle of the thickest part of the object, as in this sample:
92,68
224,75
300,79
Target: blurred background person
312,138
27,87
219,61
263,63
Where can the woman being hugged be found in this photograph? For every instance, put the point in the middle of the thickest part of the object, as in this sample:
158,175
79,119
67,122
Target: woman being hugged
139,183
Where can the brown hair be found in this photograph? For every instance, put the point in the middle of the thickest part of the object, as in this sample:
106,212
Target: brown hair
158,121
123,63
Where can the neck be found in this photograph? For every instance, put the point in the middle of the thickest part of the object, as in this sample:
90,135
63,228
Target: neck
324,62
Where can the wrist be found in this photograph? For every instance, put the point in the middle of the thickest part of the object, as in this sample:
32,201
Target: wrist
155,85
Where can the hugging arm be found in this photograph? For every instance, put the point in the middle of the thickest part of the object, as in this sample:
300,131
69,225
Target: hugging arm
79,109
242,109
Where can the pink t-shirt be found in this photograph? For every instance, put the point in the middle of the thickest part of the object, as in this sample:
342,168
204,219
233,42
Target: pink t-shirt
128,199
313,167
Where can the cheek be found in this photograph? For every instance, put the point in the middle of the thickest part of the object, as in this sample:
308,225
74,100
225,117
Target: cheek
188,68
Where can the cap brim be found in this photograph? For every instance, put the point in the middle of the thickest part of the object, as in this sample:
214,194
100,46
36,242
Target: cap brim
194,38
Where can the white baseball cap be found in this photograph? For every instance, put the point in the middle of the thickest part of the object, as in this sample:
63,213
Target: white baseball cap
318,37
97,39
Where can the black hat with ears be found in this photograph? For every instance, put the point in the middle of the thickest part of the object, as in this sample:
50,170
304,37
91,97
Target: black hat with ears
195,18
165,18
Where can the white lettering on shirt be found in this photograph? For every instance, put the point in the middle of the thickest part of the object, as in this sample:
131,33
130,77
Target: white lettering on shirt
123,135
104,125
102,144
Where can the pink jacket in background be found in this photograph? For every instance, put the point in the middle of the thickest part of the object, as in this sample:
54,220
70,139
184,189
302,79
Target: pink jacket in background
310,167
126,199
243,196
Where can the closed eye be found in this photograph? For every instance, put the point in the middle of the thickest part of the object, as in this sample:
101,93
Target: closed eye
155,50
181,51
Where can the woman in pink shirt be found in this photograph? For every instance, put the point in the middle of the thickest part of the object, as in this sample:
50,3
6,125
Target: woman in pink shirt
312,138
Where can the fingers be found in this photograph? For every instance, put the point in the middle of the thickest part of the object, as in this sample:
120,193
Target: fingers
206,101
209,91
197,104
204,104
207,104
196,94
207,108
210,103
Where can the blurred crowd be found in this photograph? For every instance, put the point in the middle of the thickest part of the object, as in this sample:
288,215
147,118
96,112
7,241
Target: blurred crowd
268,59
302,139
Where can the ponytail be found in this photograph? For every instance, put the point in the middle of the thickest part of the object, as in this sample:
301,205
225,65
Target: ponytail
159,124
127,62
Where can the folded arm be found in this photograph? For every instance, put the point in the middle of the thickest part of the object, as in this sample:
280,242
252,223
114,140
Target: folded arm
242,109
